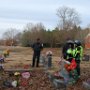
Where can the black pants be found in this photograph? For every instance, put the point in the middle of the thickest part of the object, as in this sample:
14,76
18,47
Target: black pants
78,67
36,56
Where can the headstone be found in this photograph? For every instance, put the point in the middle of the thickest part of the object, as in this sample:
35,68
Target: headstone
49,59
51,77
63,72
42,60
59,84
70,77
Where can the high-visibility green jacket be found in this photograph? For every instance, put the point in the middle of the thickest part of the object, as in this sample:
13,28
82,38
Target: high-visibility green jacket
69,53
78,53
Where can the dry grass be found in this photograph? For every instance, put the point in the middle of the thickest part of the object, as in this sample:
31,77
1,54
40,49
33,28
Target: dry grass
23,55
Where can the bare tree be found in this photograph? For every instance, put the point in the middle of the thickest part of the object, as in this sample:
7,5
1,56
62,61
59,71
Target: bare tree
31,32
10,35
68,17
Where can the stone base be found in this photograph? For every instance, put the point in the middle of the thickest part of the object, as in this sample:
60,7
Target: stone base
59,84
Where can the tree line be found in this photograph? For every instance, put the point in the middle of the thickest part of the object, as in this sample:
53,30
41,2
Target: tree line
68,28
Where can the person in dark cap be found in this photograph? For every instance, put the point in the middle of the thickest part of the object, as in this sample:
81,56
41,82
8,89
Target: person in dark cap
78,55
68,45
37,48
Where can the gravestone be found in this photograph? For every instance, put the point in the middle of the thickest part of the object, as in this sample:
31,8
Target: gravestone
63,72
51,77
59,84
42,60
49,59
46,60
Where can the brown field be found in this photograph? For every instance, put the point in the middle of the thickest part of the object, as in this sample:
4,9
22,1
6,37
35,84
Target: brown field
23,56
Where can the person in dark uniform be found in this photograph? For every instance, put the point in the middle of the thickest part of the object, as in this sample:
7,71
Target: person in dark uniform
37,47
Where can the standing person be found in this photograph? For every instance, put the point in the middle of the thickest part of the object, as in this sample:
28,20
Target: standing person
64,50
37,47
69,50
68,46
78,54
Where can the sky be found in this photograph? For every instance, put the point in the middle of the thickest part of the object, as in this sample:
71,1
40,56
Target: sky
17,13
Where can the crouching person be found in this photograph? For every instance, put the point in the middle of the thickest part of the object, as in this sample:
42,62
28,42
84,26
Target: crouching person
71,68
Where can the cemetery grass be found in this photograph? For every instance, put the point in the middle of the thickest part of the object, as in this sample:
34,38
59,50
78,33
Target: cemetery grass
23,56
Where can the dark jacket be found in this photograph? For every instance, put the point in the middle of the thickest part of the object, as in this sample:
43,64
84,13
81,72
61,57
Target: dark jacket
37,47
64,51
